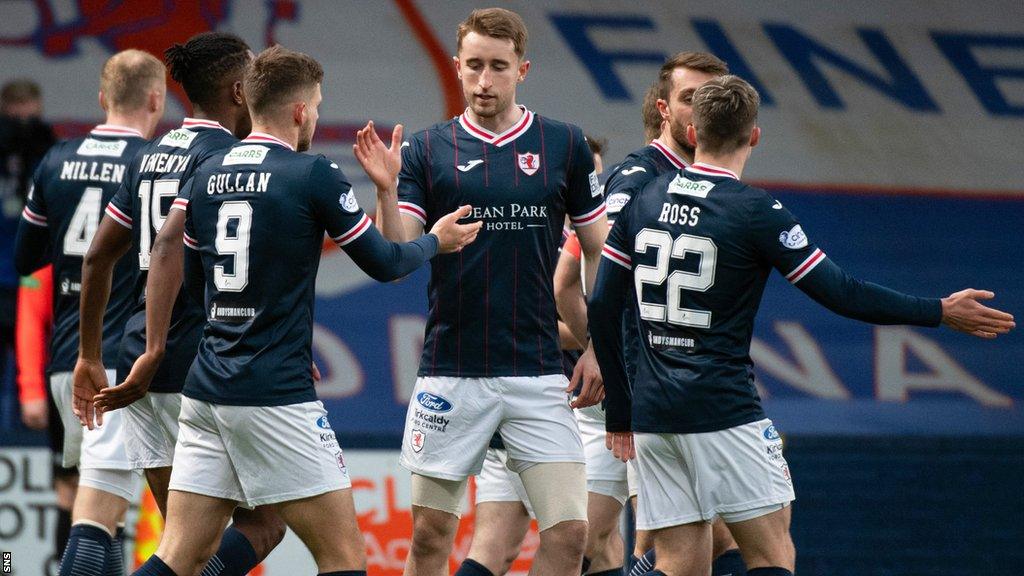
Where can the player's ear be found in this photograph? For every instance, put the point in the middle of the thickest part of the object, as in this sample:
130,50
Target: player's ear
103,100
662,106
458,66
237,94
299,113
755,136
524,68
691,134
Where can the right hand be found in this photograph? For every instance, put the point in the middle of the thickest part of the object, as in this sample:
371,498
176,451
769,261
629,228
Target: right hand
621,445
962,312
88,379
381,163
134,386
453,236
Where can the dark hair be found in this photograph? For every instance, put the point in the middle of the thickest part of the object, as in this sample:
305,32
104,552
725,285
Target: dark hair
700,61
497,23
207,61
650,114
724,113
276,74
21,90
597,145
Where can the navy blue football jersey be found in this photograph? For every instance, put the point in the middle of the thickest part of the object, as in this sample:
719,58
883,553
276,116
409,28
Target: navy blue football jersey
143,202
695,250
492,307
256,214
69,190
635,171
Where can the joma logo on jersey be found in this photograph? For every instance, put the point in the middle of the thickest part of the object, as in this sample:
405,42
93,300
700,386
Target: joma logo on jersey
433,402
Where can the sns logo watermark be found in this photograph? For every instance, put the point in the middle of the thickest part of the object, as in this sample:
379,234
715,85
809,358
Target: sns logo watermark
8,562
433,402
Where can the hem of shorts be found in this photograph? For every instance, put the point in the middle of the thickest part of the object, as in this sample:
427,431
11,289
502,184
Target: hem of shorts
204,491
702,429
151,464
298,495
123,465
604,478
554,370
282,401
700,517
545,459
433,474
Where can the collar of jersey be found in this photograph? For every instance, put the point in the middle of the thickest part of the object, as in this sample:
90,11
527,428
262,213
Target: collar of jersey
518,129
115,130
264,138
198,123
668,153
709,170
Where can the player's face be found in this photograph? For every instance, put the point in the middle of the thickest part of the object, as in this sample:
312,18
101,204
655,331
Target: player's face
309,125
678,110
489,69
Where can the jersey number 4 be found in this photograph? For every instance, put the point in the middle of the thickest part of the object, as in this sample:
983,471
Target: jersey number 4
84,222
656,275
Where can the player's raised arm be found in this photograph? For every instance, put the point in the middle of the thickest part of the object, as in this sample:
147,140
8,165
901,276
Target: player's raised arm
112,241
781,238
384,165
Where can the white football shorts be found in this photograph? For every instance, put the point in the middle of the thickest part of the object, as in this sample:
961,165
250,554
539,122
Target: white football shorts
257,455
101,448
496,483
450,422
738,473
151,429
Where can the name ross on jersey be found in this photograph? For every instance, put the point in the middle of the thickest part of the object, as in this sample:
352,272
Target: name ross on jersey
164,163
92,171
239,182
681,214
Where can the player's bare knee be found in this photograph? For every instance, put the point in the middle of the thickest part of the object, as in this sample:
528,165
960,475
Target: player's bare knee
263,527
569,537
432,532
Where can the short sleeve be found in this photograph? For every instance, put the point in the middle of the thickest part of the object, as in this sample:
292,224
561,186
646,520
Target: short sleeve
617,246
181,203
780,240
583,198
413,178
184,195
34,211
334,203
628,179
120,206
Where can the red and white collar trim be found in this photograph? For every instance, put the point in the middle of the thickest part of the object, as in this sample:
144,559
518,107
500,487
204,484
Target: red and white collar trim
198,123
674,158
114,130
518,129
264,138
709,170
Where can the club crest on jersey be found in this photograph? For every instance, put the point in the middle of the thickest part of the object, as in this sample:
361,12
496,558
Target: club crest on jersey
529,163
178,138
348,201
416,440
794,239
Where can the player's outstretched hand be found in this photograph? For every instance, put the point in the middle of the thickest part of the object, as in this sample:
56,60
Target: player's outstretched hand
962,312
588,373
381,164
453,236
88,379
134,386
621,445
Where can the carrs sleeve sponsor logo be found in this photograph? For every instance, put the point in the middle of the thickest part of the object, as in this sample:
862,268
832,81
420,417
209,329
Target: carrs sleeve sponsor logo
433,402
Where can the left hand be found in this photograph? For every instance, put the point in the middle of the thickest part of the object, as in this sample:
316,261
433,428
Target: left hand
587,371
134,386
621,445
88,379
381,164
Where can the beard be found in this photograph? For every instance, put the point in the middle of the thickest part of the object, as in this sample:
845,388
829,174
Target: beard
495,107
305,138
679,135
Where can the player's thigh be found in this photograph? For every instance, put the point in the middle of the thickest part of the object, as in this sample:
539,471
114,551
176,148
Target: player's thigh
282,453
326,524
722,538
603,514
448,425
537,423
192,530
498,531
159,479
684,550
765,540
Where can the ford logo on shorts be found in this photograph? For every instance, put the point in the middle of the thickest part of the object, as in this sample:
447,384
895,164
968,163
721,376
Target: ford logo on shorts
770,433
433,402
322,422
